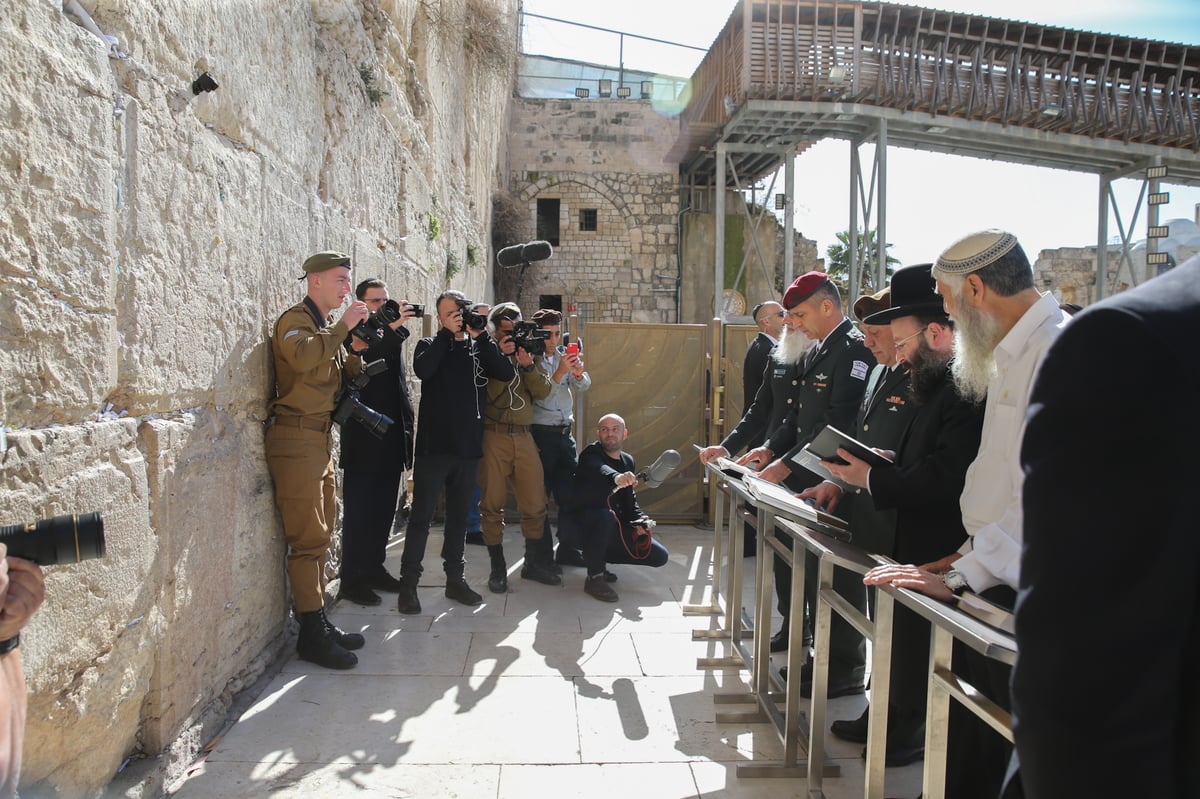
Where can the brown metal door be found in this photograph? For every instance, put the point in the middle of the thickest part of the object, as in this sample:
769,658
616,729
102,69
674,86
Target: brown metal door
654,377
737,341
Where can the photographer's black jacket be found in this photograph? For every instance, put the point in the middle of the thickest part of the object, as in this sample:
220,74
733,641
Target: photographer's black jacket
594,484
454,377
386,393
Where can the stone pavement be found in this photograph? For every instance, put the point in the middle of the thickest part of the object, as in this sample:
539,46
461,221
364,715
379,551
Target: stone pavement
544,691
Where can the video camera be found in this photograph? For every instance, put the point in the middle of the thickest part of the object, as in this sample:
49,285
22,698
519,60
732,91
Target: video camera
350,406
529,337
63,539
371,328
475,321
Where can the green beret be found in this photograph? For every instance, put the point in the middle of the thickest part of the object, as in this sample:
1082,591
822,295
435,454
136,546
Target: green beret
324,261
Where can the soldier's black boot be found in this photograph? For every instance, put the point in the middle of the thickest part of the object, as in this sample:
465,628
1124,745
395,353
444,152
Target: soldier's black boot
317,645
458,590
408,603
344,639
498,579
536,566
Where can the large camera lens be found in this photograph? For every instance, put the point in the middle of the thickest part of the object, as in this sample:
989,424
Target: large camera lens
63,539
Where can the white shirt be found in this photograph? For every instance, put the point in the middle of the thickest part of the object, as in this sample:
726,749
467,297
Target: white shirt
991,497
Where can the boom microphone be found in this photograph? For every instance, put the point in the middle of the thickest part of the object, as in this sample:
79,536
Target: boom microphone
524,253
661,469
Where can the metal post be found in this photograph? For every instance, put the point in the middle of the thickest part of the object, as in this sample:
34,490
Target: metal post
789,216
719,221
880,211
855,187
1102,237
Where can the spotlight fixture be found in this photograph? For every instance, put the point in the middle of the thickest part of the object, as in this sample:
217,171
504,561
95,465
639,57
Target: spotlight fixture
1052,110
647,89
581,92
780,202
837,73
605,88
623,91
1156,172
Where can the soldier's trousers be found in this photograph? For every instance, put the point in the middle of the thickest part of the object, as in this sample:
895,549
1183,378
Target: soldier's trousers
301,466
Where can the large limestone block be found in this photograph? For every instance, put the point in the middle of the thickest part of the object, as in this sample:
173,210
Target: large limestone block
57,235
219,564
89,651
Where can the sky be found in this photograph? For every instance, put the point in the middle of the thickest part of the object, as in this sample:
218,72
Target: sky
933,199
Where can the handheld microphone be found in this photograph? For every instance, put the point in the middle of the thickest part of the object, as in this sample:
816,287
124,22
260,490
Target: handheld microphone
656,473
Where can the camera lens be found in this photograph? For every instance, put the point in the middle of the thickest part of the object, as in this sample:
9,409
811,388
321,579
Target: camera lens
63,539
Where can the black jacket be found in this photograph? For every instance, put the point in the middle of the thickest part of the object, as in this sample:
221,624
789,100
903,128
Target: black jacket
594,484
769,409
454,377
931,466
386,393
753,367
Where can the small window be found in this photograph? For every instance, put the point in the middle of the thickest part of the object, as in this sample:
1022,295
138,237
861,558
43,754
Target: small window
552,301
547,221
587,219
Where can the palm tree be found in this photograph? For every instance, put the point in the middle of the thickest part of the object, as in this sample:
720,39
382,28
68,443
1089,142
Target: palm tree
838,261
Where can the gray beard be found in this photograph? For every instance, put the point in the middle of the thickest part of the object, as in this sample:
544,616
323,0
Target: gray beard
976,336
791,348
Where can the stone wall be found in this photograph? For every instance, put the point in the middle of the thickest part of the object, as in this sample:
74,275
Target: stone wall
605,155
152,238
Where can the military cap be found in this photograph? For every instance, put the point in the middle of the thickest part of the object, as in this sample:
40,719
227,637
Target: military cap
872,303
803,287
323,261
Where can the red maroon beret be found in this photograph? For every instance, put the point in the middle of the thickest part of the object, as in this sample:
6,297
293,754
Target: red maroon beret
803,287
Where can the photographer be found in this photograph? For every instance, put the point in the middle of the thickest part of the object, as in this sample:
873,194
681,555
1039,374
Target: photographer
509,454
553,419
373,467
307,350
604,514
454,367
22,591
474,530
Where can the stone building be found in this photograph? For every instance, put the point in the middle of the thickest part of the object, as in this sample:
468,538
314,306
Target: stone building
153,234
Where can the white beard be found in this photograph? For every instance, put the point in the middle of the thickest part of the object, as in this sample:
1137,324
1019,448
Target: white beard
791,348
976,336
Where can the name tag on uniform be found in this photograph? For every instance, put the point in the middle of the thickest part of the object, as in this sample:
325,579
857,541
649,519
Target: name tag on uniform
780,371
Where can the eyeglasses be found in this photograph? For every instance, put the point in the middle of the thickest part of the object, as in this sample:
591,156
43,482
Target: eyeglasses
902,343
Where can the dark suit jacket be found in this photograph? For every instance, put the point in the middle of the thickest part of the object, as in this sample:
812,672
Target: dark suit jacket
757,356
830,389
884,416
1106,700
769,409
925,484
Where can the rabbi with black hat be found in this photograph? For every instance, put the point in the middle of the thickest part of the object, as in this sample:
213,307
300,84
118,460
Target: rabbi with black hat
306,347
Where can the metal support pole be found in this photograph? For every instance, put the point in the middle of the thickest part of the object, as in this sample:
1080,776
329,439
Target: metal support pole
1102,237
789,216
719,237
855,187
880,211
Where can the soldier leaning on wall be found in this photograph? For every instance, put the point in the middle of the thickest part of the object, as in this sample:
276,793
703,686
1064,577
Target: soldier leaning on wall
309,362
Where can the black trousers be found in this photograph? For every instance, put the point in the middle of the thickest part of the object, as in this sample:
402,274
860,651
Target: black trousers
432,474
369,498
556,448
597,532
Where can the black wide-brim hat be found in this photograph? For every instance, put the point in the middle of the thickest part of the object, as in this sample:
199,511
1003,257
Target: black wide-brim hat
914,291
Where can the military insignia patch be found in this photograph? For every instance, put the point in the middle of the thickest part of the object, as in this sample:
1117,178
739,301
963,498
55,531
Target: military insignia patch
858,370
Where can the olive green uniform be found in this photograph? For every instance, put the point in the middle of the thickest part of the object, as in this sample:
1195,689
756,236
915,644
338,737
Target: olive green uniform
309,360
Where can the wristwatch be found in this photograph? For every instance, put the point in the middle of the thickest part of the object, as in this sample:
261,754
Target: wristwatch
955,582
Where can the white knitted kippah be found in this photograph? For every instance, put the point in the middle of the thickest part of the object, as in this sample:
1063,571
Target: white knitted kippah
975,252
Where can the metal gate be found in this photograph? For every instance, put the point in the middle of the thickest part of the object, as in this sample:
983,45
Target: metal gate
654,376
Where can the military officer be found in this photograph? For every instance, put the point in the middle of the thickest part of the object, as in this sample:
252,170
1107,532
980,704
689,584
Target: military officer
307,350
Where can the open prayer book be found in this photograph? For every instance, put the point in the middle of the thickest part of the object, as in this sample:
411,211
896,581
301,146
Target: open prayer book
987,612
735,469
781,499
824,448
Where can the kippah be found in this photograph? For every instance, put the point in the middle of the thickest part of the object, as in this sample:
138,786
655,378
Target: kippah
975,252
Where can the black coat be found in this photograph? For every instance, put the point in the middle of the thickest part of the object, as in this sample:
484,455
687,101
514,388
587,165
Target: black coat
931,466
884,417
454,378
831,386
769,409
386,393
754,365
593,488
1106,700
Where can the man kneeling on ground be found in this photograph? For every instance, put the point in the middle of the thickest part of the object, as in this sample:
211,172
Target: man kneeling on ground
604,518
